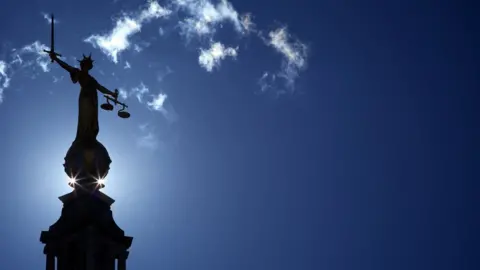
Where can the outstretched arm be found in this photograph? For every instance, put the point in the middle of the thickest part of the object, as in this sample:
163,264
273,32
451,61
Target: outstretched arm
105,91
65,66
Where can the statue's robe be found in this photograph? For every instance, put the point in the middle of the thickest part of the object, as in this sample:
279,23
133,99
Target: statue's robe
87,128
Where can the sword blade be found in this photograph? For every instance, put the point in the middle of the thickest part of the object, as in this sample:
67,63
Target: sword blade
52,42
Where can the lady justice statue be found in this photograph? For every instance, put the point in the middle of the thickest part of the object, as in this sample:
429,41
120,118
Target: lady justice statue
87,159
87,128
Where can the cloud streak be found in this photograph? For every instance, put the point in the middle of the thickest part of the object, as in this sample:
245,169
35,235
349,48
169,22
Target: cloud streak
203,17
28,56
211,57
139,91
294,59
157,103
36,48
4,79
118,39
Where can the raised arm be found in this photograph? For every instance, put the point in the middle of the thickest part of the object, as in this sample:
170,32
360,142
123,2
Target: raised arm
65,66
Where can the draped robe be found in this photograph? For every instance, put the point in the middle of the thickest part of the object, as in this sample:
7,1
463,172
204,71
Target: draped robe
87,127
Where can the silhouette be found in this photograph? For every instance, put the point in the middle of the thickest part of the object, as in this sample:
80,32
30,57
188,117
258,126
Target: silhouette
86,237
87,128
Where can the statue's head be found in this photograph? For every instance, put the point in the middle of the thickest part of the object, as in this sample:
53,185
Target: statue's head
86,63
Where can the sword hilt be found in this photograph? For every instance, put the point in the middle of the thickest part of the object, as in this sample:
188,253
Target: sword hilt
55,53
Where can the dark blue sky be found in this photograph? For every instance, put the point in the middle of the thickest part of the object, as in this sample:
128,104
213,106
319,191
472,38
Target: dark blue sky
367,160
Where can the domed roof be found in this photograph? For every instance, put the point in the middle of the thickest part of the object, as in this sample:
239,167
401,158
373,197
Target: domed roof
87,165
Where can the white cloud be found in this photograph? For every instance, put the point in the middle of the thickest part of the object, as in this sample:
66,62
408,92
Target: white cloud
25,57
137,48
294,55
204,17
212,57
123,93
4,77
3,67
117,40
266,81
36,48
158,104
139,91
48,18
17,59
127,65
247,22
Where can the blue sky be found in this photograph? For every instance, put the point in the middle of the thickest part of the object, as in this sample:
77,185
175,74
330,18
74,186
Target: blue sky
264,134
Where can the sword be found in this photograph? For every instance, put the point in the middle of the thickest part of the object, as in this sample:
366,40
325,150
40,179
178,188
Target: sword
52,40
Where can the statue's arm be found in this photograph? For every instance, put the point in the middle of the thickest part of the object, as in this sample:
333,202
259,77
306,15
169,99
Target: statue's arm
104,90
66,66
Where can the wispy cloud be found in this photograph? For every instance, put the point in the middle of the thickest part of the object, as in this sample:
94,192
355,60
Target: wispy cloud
294,54
247,22
4,79
30,56
123,93
139,91
48,18
127,65
157,103
137,48
266,81
212,56
117,40
36,48
203,17
147,139
3,74
57,79
17,60
162,74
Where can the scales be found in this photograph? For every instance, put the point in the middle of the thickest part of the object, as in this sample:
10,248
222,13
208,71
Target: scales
122,113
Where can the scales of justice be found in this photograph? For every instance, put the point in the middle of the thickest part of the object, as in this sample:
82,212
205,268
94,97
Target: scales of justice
113,98
87,161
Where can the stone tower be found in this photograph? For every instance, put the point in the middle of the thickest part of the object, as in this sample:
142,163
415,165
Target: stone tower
86,237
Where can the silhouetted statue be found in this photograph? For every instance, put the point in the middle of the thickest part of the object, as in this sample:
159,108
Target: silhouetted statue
87,128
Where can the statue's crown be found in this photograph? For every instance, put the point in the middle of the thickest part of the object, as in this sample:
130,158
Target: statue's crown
87,59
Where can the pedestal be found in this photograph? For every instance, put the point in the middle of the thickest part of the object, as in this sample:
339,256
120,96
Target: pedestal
86,236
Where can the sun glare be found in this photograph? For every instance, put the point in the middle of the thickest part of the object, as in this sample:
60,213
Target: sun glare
100,182
72,181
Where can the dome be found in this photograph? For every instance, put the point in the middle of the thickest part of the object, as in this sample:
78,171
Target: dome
87,164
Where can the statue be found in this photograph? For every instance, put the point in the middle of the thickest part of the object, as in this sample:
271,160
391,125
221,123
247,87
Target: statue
87,128
87,160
